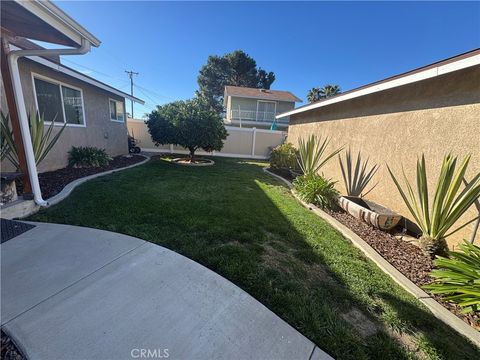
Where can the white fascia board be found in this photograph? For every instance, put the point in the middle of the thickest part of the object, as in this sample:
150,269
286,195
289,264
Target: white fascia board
404,80
58,19
81,77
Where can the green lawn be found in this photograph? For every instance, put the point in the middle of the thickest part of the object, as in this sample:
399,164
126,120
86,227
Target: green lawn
244,224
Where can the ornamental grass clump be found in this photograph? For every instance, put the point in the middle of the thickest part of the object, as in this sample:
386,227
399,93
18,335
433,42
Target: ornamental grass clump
356,177
317,190
87,156
436,218
458,277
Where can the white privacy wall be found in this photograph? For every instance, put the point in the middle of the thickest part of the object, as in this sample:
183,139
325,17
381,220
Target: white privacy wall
241,142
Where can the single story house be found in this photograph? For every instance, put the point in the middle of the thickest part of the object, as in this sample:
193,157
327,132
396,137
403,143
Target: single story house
252,107
93,111
432,110
34,79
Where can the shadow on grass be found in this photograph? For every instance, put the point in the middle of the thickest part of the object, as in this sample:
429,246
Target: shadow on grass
244,225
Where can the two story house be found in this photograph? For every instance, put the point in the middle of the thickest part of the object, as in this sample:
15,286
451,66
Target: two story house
251,107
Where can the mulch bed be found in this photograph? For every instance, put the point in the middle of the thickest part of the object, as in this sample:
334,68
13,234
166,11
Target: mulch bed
8,349
405,257
52,182
286,174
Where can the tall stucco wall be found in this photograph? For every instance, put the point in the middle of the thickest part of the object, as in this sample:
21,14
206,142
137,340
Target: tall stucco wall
395,127
100,131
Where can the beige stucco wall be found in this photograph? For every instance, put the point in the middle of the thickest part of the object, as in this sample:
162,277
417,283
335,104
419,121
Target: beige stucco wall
99,131
394,127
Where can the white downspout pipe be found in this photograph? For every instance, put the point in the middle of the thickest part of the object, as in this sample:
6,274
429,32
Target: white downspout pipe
13,57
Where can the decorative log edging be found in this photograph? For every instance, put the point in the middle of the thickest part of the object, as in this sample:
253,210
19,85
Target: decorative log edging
437,309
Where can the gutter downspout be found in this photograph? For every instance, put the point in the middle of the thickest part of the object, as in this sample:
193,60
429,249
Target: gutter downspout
13,57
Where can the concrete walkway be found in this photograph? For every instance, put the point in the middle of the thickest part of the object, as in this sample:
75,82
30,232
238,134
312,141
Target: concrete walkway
78,293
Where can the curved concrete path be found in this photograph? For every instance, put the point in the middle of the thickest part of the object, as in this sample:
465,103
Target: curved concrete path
78,293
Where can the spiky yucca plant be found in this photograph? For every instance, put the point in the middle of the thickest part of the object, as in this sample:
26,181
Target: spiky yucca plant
459,277
356,177
435,219
311,154
42,141
6,137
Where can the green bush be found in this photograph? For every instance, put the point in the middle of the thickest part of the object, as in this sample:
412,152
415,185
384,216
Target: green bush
317,190
284,156
459,277
82,157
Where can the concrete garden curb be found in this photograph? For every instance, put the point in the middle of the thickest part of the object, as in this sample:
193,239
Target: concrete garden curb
177,162
70,186
437,309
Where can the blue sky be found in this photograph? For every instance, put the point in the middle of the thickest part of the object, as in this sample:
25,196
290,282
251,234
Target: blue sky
306,44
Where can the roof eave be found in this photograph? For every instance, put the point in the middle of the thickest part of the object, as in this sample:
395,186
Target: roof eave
82,77
428,73
59,20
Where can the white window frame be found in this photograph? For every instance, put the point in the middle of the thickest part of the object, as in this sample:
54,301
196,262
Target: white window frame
266,101
59,83
124,112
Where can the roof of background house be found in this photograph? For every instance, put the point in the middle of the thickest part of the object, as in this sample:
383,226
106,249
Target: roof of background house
455,63
262,94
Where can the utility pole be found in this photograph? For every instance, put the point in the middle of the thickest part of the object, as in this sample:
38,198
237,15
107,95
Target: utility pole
130,75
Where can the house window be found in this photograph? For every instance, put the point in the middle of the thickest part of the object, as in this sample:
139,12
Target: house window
59,103
117,111
266,110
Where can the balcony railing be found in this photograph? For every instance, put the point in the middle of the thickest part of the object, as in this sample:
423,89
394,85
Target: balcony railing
252,115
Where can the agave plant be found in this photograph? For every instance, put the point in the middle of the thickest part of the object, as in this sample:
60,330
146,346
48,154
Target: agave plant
437,218
6,137
311,154
356,177
42,141
458,277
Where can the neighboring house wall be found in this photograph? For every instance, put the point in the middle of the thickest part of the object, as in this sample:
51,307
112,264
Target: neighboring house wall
249,105
99,131
396,126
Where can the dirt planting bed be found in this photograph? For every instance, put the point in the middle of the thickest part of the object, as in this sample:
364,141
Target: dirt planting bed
404,256
52,182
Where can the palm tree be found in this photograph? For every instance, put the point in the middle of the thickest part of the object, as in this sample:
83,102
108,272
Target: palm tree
324,92
329,90
313,94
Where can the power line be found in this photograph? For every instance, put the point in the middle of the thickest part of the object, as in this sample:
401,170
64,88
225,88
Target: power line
148,96
154,93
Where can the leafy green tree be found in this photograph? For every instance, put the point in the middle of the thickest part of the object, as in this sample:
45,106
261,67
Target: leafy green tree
237,69
192,124
316,94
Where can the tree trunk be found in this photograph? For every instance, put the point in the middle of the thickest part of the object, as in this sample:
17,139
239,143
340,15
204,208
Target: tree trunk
192,154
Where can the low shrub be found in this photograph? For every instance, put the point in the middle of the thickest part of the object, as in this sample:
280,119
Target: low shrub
86,156
317,190
284,156
457,278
